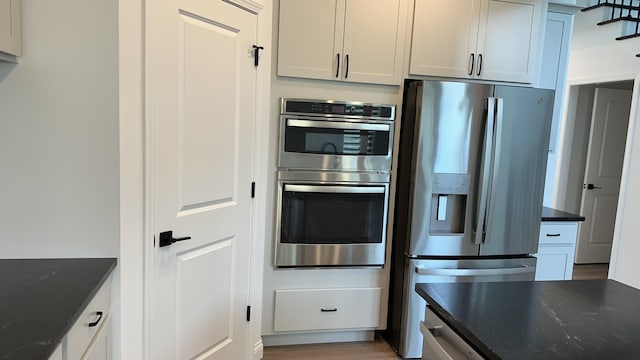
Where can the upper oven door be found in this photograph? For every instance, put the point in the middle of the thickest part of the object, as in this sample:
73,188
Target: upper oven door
308,143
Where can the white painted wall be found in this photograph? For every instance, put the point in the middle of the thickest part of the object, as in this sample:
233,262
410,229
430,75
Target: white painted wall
59,133
597,57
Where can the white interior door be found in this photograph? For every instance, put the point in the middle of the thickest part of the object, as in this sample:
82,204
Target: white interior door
201,95
603,170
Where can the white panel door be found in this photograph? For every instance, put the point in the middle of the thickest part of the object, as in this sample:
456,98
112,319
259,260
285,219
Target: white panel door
444,37
310,38
603,170
507,40
201,91
373,41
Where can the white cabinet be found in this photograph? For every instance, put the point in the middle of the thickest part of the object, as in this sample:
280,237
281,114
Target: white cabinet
327,309
478,39
556,250
10,30
90,336
346,40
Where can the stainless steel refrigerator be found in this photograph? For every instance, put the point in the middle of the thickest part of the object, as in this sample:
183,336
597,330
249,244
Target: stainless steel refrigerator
470,184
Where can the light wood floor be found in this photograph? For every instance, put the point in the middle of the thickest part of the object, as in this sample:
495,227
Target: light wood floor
366,350
379,349
590,271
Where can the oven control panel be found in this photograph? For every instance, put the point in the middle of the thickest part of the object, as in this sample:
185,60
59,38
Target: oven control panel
338,108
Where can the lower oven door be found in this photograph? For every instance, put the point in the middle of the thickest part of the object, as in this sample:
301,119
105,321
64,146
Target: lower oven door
331,224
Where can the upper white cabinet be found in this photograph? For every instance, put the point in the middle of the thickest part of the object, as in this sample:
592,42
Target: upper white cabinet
10,33
477,39
346,40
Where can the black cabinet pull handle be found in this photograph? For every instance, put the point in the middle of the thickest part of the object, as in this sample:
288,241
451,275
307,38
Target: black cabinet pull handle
472,58
479,64
92,324
329,310
338,66
346,66
166,238
553,235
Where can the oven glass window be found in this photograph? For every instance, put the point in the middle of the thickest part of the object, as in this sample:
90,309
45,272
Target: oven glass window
316,140
331,218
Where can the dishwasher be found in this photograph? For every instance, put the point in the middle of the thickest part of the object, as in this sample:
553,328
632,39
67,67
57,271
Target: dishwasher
440,342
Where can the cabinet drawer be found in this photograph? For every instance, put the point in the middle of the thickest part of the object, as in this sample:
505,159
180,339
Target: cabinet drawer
327,309
560,233
81,334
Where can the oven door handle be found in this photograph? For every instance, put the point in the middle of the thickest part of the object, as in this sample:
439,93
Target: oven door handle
335,189
336,125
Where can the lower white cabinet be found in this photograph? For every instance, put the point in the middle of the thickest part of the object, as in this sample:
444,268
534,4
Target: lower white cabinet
327,309
90,336
556,250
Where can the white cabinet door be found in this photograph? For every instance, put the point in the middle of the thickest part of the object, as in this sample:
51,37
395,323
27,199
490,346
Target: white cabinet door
508,39
554,262
480,39
307,46
444,37
346,40
100,347
373,41
10,32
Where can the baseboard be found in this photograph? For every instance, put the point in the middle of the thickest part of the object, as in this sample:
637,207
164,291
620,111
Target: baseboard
317,338
257,350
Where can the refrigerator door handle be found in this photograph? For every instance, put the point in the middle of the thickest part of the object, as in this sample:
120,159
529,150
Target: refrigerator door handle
495,157
485,172
524,269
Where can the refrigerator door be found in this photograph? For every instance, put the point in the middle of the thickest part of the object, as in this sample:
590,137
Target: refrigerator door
468,270
522,125
448,131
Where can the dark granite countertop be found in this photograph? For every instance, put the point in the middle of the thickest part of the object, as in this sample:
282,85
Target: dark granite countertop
580,319
40,299
549,214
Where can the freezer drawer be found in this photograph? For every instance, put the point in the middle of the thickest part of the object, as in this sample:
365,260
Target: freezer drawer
467,270
441,342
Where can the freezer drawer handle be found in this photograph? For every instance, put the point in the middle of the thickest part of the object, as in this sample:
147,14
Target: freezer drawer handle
475,272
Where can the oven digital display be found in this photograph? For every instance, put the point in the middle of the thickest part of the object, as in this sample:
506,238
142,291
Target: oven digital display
337,109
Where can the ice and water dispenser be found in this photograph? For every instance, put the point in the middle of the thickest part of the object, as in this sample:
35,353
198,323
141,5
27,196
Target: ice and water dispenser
448,203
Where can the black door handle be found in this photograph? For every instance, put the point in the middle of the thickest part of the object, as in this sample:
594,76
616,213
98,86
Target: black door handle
591,187
166,238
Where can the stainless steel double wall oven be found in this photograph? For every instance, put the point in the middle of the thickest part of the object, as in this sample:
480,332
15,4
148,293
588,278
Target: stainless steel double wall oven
334,169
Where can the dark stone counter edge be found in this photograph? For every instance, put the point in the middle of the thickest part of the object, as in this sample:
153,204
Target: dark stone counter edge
86,301
456,326
549,214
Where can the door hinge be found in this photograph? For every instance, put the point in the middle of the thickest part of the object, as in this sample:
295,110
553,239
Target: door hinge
248,313
253,189
256,54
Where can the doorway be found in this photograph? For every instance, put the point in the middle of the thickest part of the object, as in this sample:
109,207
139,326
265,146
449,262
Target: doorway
591,166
